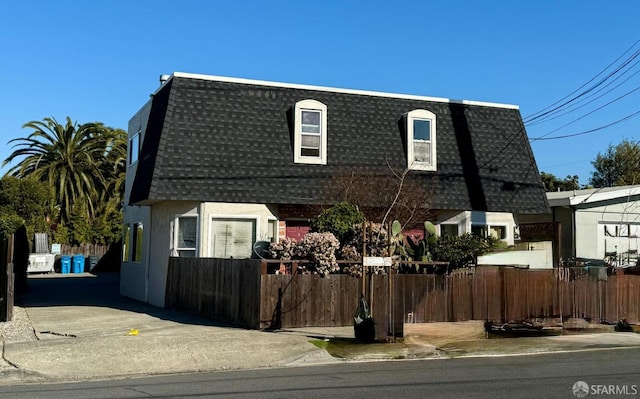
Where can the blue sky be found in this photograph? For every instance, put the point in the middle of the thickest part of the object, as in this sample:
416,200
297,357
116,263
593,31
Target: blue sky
100,60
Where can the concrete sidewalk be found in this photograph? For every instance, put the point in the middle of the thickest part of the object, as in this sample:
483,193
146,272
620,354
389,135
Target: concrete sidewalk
78,327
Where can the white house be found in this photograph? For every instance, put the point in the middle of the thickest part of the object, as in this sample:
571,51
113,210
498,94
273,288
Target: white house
598,222
216,164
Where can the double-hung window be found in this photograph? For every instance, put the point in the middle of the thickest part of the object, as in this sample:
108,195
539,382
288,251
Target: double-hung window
421,140
186,236
310,129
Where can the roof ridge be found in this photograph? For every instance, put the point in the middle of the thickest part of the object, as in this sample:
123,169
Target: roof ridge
228,79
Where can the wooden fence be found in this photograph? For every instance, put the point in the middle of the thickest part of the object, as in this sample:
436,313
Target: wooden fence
237,291
220,289
85,249
6,279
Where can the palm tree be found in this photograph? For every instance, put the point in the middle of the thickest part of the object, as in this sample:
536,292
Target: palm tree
114,166
69,158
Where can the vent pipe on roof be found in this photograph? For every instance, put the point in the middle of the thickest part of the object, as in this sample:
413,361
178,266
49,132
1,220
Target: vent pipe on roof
164,78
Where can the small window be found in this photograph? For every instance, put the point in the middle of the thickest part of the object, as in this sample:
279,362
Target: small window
448,230
186,236
421,140
272,233
134,148
498,232
479,230
310,128
126,243
137,242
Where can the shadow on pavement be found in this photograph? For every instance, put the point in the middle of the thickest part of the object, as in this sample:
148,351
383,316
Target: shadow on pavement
101,290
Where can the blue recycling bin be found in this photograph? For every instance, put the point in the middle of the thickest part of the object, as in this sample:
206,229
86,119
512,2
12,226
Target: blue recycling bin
65,264
78,263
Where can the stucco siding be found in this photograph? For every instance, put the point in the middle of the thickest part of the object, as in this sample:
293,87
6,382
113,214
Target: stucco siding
163,215
591,240
466,219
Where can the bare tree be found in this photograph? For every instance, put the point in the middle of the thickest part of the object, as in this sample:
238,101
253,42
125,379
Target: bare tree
400,195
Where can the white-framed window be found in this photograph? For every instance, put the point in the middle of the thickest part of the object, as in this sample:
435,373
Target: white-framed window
134,148
449,230
499,232
310,132
421,140
232,236
136,249
272,230
185,238
126,243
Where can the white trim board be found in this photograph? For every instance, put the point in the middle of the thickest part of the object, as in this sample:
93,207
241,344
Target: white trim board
332,90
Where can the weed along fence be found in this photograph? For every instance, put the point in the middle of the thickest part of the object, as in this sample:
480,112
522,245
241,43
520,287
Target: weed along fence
244,293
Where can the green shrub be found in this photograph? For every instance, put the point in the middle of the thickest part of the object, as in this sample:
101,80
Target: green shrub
339,220
460,251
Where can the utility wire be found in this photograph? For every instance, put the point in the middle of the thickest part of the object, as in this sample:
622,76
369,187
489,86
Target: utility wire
587,131
575,107
590,112
584,93
554,106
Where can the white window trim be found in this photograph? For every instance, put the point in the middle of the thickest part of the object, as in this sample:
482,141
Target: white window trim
277,228
256,218
490,225
126,243
134,242
130,160
457,224
176,226
410,117
312,105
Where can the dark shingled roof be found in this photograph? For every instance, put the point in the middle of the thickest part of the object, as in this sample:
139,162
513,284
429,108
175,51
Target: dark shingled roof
221,140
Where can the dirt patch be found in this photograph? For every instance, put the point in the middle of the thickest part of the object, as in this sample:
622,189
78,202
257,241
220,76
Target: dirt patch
349,348
439,334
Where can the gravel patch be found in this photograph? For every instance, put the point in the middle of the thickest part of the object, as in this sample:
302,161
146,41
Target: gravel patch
19,329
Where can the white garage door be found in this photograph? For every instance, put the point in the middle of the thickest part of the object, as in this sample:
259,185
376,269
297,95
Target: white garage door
232,238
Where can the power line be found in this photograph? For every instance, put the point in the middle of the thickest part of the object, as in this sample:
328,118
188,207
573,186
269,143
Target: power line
546,111
591,112
587,131
554,107
575,108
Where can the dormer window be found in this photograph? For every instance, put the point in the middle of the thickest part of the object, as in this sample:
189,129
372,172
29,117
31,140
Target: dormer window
310,141
421,140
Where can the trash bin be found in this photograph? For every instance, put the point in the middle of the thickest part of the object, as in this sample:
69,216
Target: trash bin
93,261
65,264
78,263
363,325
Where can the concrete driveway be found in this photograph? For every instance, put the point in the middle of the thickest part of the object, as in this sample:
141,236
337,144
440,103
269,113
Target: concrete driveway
85,330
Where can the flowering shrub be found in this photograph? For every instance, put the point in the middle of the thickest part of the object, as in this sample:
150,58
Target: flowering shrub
377,244
320,250
285,249
349,252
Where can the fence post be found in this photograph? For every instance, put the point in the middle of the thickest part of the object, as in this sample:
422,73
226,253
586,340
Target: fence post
6,280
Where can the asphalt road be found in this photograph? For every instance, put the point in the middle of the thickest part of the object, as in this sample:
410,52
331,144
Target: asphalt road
535,376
